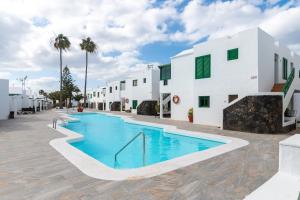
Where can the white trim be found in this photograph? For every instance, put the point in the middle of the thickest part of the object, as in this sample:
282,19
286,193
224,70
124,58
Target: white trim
96,169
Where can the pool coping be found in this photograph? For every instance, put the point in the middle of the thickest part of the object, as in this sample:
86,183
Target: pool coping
94,168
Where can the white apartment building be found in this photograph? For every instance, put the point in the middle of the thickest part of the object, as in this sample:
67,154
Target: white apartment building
96,98
4,99
223,73
128,94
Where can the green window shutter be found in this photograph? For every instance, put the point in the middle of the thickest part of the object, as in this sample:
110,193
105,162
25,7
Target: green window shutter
206,63
202,67
199,68
204,101
233,54
165,72
134,104
168,72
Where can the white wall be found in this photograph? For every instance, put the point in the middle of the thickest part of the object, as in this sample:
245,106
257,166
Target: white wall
155,84
227,77
115,95
181,86
4,99
297,105
267,47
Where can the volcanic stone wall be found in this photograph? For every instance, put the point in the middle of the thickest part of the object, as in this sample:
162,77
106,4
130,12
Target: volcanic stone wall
257,114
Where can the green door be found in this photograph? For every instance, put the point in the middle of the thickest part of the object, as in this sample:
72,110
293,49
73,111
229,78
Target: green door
134,104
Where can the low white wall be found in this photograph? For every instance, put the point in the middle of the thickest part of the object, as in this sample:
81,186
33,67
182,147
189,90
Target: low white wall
4,99
289,155
297,105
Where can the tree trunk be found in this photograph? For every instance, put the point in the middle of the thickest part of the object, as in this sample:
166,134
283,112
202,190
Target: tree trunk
86,66
60,93
70,102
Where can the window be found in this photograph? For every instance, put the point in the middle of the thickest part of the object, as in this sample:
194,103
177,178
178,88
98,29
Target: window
134,104
204,101
165,72
202,67
110,89
284,68
94,94
165,82
144,80
98,94
134,83
232,97
122,85
116,87
233,54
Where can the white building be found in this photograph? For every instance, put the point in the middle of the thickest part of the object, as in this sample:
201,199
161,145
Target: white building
4,99
97,98
21,100
141,88
219,73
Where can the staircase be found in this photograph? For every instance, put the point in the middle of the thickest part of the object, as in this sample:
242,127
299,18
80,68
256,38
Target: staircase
278,87
166,99
147,108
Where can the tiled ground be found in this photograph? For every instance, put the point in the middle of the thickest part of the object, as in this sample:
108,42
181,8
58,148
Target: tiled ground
31,169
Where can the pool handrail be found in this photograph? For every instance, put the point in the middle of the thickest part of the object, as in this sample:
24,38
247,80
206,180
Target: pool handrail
144,147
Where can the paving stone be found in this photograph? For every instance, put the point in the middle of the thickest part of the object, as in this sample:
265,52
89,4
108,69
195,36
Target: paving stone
31,169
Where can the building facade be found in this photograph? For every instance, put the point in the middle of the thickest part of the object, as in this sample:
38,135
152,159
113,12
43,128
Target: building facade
127,94
216,74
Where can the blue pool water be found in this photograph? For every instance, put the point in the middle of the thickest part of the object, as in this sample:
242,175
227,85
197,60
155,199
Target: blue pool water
105,135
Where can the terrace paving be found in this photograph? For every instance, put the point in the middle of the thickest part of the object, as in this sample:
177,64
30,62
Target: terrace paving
31,169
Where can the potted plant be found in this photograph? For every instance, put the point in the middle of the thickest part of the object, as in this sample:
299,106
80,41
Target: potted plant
77,98
80,109
190,115
157,108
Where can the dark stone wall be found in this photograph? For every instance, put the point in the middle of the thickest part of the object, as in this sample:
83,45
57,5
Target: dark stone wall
115,106
147,108
257,114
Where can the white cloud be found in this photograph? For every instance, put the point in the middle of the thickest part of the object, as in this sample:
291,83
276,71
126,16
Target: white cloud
4,75
45,83
27,28
33,85
114,26
223,18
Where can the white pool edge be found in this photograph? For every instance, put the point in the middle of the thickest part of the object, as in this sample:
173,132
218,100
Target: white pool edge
94,168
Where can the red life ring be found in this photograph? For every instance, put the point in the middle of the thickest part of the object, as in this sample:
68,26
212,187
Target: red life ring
176,99
127,100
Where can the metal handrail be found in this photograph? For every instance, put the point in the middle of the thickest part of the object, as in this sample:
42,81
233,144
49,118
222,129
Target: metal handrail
289,82
144,147
54,122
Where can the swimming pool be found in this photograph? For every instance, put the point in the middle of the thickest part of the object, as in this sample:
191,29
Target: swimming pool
105,135
92,139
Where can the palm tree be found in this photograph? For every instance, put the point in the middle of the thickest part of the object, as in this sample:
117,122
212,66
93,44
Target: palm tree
88,46
61,43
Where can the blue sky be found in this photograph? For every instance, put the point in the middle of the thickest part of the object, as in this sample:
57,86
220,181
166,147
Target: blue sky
129,35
